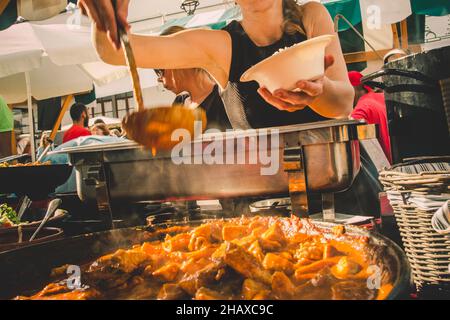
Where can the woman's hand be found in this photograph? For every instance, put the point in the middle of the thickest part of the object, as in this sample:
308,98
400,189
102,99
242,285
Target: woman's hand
107,18
293,101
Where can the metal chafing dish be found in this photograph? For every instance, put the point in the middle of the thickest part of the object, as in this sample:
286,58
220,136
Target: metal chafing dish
318,157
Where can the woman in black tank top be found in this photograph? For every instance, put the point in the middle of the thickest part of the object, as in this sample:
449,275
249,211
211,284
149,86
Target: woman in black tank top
257,112
267,26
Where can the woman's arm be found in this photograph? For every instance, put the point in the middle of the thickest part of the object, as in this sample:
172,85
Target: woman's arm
206,49
331,96
337,99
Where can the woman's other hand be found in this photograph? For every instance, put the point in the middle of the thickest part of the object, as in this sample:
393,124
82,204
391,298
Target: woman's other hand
104,15
292,101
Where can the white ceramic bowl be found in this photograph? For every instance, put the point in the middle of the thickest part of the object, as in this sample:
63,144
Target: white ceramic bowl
302,61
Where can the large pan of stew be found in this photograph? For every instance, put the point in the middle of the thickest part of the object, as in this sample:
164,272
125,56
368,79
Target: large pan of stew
239,258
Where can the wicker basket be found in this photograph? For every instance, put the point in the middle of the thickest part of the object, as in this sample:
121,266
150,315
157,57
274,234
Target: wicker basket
428,251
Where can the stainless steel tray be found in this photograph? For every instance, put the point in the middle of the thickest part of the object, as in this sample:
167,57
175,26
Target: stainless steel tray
330,151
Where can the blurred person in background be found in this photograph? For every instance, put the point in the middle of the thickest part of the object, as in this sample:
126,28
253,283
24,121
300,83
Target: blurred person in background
45,139
195,88
23,144
99,121
7,138
370,106
80,119
100,129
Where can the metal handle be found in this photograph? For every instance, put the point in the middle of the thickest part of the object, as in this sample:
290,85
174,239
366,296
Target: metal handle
375,84
393,53
399,72
14,157
54,204
336,29
417,88
26,202
46,150
430,86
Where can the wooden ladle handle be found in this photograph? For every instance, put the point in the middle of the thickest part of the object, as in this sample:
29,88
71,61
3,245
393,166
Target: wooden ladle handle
133,71
131,62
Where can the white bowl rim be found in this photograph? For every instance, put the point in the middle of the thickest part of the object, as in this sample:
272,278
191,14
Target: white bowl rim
324,38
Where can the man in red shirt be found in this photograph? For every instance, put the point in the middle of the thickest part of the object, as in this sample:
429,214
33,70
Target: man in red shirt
371,106
80,118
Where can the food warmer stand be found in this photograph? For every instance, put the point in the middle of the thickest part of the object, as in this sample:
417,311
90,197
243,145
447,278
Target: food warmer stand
320,157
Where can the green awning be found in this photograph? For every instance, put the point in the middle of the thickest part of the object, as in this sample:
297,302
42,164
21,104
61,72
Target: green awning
431,7
9,16
348,8
86,98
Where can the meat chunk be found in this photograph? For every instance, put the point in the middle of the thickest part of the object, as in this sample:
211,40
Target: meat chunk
274,233
346,267
245,242
270,245
282,286
115,269
168,272
352,290
245,264
257,232
230,233
252,288
256,251
276,262
211,231
205,277
323,278
330,251
310,250
124,260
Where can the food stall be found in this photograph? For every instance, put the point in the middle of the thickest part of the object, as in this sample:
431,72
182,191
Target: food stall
146,177
233,215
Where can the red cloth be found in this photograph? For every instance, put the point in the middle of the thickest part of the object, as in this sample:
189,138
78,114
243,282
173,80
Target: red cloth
372,108
74,132
355,79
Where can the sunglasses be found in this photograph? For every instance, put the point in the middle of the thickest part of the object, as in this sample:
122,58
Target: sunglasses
159,72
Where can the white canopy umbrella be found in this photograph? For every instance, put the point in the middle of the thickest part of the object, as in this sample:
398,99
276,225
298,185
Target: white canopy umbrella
59,58
147,79
49,60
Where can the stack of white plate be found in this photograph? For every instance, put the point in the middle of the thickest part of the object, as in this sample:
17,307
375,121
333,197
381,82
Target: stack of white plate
422,201
441,219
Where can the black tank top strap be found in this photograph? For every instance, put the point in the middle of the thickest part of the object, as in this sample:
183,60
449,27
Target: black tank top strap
239,45
244,106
